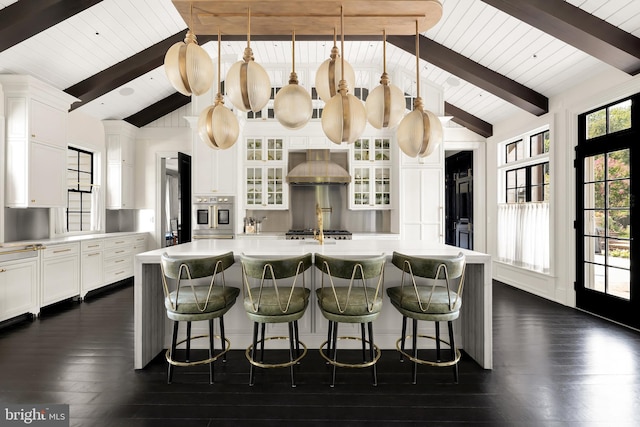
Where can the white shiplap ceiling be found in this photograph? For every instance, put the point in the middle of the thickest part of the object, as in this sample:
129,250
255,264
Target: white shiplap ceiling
114,30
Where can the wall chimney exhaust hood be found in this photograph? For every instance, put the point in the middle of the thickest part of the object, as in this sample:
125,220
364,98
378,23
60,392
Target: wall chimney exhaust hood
318,169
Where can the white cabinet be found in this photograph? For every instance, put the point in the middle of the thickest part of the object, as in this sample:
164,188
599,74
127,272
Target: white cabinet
371,171
422,207
265,170
121,158
60,273
118,258
18,288
214,171
36,142
91,265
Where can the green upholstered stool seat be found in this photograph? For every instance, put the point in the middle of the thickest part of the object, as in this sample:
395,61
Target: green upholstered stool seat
350,292
427,292
195,290
274,292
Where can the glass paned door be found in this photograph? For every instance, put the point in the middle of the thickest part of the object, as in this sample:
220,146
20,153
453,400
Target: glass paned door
606,219
607,227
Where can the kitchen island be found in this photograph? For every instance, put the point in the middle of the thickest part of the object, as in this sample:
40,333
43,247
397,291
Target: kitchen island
152,331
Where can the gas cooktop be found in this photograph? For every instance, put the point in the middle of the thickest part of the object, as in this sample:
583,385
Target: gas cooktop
309,232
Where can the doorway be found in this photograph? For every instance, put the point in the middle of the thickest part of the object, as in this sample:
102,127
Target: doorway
606,156
174,198
459,199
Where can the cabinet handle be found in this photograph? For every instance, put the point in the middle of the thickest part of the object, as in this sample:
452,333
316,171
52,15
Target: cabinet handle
61,250
33,200
119,260
119,252
33,135
2,270
93,246
94,254
120,242
119,272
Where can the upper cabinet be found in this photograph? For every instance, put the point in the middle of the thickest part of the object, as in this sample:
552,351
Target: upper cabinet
371,171
121,159
265,170
214,171
36,142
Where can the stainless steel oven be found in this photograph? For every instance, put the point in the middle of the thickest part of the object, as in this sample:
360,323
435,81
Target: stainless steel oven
213,217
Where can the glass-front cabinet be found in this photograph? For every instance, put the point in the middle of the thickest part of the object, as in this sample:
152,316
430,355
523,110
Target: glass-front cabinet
371,172
265,171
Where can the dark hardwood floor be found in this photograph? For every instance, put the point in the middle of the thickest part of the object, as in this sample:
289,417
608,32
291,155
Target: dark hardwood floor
553,366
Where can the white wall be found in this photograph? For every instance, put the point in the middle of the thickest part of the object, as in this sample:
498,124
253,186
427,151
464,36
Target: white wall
562,119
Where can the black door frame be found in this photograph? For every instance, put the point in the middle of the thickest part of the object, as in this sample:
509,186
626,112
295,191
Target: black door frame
596,302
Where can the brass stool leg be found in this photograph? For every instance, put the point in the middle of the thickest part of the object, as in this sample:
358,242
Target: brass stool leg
253,351
404,335
335,352
438,358
211,350
415,350
174,339
371,354
453,351
292,350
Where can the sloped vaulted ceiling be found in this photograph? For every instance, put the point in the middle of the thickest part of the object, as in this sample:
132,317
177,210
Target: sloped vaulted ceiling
490,56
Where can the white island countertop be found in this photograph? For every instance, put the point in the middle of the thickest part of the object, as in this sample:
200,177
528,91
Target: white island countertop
152,331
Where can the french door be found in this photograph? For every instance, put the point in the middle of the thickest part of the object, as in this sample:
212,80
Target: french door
607,155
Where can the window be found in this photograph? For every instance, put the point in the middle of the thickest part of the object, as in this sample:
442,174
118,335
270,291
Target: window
523,215
614,118
79,187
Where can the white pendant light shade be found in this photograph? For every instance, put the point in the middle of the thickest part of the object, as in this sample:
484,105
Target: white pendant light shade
189,67
343,118
329,74
218,126
419,133
292,106
385,106
248,85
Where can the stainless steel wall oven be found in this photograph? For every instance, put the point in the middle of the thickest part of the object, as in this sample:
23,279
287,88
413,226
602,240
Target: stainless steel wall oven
213,217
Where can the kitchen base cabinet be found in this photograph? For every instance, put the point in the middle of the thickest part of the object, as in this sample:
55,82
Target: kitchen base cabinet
91,266
60,273
18,288
118,258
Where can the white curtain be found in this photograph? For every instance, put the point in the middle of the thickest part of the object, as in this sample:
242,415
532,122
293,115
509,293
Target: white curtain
60,220
523,235
96,208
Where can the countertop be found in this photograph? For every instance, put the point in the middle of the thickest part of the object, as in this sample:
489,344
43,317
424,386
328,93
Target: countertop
67,239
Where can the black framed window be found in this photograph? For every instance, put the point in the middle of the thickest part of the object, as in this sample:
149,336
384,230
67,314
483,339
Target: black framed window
514,151
528,184
539,143
79,187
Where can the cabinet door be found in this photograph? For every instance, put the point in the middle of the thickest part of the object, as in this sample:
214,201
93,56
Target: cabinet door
128,186
254,183
276,190
91,271
114,185
18,289
422,204
214,171
48,124
47,176
60,279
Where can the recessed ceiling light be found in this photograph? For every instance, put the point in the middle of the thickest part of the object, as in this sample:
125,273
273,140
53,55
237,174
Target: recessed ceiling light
126,91
452,81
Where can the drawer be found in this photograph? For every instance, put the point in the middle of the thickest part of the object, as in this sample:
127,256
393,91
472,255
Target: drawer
92,245
118,252
118,242
117,274
60,250
123,261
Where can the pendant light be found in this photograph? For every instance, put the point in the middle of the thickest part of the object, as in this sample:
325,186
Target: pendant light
385,104
188,66
292,105
217,125
343,116
330,73
420,132
248,84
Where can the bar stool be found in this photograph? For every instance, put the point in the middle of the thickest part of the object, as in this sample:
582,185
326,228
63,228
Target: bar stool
358,302
192,300
273,293
422,296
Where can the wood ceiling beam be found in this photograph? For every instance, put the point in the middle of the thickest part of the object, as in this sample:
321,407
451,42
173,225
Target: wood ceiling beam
158,109
476,74
578,28
126,70
20,21
469,121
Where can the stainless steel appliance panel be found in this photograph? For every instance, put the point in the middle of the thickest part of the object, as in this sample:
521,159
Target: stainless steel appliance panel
213,217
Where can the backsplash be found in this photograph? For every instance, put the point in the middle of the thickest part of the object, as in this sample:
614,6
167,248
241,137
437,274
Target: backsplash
26,224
